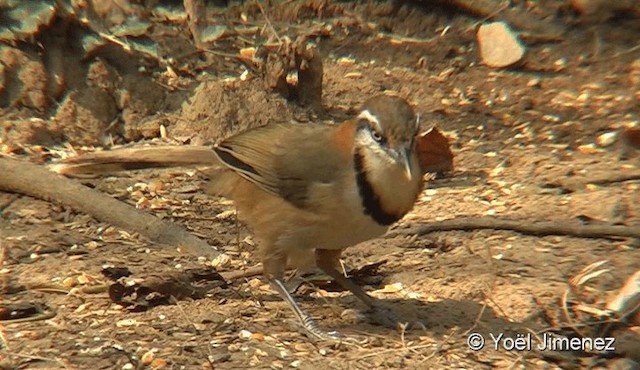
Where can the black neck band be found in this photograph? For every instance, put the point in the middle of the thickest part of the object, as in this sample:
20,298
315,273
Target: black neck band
370,200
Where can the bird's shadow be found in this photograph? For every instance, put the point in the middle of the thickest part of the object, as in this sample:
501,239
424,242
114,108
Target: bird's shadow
437,319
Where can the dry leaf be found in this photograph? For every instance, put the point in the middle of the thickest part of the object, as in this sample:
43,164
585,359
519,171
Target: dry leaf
630,142
434,152
391,288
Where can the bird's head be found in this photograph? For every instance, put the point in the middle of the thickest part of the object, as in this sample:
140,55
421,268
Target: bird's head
385,136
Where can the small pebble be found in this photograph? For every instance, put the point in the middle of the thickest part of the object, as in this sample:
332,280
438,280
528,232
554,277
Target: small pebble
499,46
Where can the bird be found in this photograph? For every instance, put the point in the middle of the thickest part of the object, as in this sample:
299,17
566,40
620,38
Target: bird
309,191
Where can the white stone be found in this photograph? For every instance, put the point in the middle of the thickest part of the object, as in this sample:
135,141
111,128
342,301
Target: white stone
499,45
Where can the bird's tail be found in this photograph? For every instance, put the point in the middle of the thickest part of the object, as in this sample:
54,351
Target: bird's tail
126,159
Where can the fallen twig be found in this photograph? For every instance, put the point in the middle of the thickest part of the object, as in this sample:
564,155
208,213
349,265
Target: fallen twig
518,17
244,273
41,314
29,179
526,227
578,184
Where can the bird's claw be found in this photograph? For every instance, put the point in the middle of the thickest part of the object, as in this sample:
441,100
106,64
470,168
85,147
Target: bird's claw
314,332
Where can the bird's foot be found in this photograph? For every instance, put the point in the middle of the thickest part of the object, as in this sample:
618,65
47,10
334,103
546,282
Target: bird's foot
313,331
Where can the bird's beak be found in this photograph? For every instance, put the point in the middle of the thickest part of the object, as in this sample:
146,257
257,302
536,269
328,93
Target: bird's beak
405,158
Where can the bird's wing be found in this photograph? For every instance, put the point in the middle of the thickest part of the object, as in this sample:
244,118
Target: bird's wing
287,160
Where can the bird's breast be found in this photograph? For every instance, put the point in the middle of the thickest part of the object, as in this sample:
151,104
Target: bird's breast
340,220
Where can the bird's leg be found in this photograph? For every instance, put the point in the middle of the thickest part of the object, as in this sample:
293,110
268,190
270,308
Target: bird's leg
305,319
274,266
326,260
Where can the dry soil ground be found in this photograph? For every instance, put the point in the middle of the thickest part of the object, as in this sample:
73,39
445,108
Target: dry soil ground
520,137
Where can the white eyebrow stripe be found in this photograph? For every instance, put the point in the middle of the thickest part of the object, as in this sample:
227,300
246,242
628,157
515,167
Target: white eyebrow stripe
365,114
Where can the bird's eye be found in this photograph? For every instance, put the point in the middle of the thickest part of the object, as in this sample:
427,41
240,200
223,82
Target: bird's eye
376,136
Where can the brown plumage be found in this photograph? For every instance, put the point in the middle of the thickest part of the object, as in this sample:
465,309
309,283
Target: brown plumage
307,192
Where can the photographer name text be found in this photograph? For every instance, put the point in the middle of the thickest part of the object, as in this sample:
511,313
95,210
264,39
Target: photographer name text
549,342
